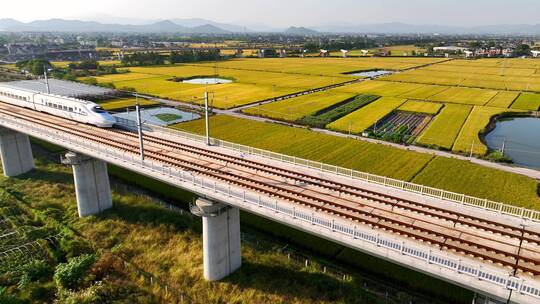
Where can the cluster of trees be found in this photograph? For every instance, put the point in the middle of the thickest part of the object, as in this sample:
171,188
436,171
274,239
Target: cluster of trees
194,56
143,59
34,66
181,56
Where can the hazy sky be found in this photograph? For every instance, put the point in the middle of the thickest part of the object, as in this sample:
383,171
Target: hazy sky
284,12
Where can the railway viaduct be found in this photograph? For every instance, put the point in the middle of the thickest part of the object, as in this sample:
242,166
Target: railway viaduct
490,248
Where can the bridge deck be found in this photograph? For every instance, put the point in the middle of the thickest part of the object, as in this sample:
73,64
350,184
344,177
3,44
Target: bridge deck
470,233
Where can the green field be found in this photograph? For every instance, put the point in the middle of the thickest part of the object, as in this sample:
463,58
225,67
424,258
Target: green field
380,88
378,159
421,107
121,103
295,108
247,87
465,177
365,117
323,66
500,74
444,129
424,92
503,99
321,119
477,121
527,101
330,149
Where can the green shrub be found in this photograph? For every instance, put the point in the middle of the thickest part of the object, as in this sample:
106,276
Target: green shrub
498,156
6,298
69,275
34,270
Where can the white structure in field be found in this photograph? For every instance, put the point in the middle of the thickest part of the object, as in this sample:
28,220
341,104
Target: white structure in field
535,54
344,53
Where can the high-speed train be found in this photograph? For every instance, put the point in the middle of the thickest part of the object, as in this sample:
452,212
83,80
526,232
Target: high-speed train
71,108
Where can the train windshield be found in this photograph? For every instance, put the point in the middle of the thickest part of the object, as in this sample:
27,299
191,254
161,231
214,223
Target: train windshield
98,109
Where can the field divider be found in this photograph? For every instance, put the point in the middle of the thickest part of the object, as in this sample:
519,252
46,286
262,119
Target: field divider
454,197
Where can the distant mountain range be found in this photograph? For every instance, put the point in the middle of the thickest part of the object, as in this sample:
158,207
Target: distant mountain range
403,28
203,26
61,25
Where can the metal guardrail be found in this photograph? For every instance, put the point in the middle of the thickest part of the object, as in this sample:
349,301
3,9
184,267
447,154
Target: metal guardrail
314,218
499,207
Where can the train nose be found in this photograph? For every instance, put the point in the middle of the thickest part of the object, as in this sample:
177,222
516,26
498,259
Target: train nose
107,120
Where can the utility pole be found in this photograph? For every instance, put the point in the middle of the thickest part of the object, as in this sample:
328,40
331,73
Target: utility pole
207,123
503,146
46,80
472,148
523,227
139,128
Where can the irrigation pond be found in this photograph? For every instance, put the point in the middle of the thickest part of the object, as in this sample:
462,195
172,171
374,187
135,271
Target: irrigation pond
520,138
160,116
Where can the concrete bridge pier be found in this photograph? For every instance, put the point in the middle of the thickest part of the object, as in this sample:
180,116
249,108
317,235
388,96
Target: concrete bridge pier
221,238
16,152
91,183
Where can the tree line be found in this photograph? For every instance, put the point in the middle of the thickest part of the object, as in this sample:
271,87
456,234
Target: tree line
180,56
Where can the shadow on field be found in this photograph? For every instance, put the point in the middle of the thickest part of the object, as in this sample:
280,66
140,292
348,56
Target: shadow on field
285,281
47,176
132,211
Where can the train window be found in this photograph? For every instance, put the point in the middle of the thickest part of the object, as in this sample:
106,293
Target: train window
98,109
70,109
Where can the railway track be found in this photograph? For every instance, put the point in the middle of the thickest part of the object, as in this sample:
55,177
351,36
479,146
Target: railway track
425,209
448,230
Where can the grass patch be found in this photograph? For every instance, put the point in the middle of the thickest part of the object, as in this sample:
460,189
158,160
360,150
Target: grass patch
465,177
168,117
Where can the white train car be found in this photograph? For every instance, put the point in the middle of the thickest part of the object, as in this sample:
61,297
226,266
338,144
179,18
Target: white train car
71,108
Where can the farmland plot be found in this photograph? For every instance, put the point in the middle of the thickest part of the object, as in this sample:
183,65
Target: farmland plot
421,107
527,101
298,107
446,173
503,99
465,96
380,88
444,129
424,92
468,138
365,117
303,143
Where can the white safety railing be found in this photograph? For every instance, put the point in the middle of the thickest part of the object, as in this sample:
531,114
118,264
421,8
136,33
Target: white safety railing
368,177
225,192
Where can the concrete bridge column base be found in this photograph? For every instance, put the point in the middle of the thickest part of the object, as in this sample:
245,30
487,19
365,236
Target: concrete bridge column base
91,183
221,238
16,152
